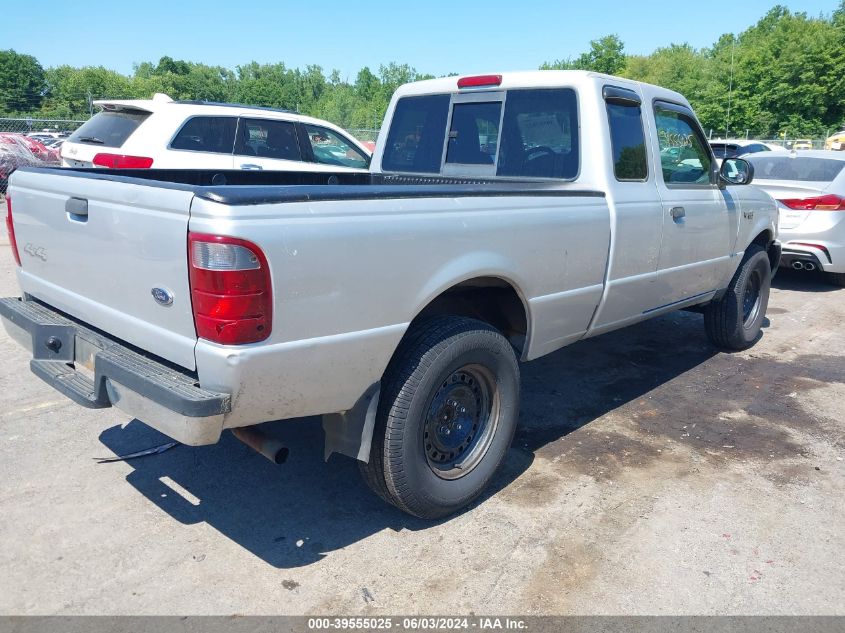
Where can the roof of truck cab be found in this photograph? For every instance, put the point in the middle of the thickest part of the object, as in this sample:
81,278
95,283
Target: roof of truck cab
537,79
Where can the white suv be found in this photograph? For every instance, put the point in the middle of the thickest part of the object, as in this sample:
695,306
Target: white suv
164,133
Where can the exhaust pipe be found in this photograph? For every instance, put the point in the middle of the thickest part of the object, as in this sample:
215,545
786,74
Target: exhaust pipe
798,265
809,266
261,443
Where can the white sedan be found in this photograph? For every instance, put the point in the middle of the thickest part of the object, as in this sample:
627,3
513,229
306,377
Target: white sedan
810,190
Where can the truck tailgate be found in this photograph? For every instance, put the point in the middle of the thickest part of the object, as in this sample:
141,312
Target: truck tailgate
102,267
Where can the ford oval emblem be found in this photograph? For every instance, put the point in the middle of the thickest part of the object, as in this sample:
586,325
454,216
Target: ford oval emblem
162,296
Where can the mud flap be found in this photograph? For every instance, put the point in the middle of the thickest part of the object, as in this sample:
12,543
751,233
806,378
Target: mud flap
351,432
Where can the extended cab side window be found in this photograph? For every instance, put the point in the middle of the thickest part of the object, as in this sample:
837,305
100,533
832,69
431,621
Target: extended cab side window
539,136
207,134
684,157
267,138
627,138
415,140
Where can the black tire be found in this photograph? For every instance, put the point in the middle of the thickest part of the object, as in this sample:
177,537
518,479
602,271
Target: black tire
444,367
734,321
837,279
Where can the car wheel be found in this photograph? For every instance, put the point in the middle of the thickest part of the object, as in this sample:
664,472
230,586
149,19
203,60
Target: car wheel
734,321
447,414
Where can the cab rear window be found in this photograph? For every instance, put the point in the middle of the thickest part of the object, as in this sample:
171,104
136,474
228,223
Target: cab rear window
539,136
535,137
109,128
417,131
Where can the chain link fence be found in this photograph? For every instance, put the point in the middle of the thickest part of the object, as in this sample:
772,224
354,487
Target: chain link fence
364,135
36,126
797,143
27,142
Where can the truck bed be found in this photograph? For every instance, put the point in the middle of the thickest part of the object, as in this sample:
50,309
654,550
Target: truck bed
243,187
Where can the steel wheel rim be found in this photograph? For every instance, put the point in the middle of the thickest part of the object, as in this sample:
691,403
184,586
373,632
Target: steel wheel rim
461,422
751,298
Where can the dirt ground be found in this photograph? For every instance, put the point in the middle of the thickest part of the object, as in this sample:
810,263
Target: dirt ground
650,475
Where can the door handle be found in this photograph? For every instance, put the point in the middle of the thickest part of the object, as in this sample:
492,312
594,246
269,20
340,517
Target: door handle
251,166
677,213
77,209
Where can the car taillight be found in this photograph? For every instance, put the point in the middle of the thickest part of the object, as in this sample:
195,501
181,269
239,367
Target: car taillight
10,227
829,202
231,292
122,161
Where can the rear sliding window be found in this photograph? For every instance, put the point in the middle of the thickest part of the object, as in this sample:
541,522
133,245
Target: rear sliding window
109,129
795,168
539,136
214,134
415,140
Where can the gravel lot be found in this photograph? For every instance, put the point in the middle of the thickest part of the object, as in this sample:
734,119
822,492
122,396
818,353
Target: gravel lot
650,475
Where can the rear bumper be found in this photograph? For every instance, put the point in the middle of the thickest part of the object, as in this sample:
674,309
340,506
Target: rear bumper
827,256
162,395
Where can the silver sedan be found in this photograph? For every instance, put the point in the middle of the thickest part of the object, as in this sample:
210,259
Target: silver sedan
809,187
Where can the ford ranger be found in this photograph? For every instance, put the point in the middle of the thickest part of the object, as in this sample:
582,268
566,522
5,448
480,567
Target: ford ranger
504,217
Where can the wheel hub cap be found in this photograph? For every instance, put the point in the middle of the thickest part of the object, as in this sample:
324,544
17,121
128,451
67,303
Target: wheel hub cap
458,426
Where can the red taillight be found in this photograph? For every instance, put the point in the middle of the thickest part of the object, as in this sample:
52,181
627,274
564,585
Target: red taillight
829,202
122,161
479,81
10,227
230,289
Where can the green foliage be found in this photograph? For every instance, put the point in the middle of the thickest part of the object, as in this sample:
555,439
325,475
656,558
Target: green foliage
21,82
784,75
606,55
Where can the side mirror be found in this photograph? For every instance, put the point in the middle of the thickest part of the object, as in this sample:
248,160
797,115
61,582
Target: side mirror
736,171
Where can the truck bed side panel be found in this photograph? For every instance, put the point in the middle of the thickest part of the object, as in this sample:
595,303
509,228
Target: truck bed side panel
350,274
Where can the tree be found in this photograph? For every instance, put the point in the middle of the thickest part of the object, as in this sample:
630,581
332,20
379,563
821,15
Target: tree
70,91
21,82
606,55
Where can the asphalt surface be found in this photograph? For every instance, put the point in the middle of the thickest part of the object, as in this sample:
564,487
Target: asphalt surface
650,475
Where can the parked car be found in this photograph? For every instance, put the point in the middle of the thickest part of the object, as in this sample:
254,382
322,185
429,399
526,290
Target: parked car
163,133
733,148
394,303
15,153
36,148
803,143
810,191
836,141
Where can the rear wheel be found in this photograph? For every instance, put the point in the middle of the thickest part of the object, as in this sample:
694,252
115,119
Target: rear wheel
837,279
734,321
447,414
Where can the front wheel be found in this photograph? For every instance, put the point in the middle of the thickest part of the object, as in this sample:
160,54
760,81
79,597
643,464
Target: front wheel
734,321
447,414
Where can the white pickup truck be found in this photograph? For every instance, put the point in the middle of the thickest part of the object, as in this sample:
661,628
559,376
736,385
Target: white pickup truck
504,217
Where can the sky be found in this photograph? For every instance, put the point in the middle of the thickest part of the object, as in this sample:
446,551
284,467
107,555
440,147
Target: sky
436,36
